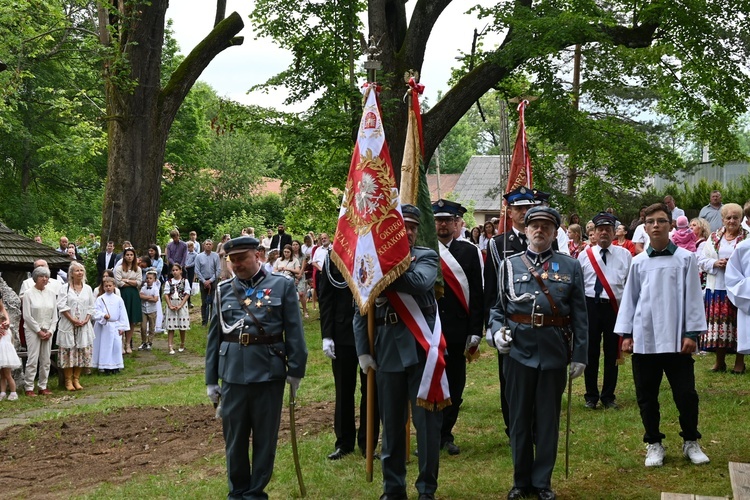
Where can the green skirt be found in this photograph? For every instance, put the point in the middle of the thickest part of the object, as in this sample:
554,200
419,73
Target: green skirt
132,300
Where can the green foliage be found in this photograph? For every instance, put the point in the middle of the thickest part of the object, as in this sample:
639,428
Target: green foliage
51,104
237,222
167,222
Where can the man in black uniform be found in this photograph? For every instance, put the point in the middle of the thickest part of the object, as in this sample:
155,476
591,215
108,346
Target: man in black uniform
539,325
460,308
255,343
336,315
513,241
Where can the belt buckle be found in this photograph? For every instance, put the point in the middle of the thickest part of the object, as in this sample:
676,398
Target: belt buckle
244,339
537,320
392,318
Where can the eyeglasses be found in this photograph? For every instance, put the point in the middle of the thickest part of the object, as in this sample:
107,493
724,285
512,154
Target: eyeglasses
653,222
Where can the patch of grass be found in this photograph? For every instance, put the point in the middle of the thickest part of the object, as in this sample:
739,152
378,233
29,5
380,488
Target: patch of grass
606,448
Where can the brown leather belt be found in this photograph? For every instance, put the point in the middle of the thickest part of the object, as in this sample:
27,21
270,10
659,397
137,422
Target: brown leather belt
392,318
538,320
252,338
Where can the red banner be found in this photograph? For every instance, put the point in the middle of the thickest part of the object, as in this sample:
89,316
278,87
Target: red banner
370,245
519,173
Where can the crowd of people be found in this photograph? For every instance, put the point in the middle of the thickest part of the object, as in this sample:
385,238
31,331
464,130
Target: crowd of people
550,295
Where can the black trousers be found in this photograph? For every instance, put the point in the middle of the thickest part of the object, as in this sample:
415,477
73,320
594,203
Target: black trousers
345,372
207,297
396,391
648,370
455,371
601,327
503,397
535,398
251,410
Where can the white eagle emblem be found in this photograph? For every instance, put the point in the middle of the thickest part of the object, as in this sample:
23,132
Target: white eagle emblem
364,198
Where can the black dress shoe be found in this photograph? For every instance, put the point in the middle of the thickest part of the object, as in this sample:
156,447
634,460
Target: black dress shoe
591,405
611,405
451,447
545,494
426,496
338,454
516,493
394,496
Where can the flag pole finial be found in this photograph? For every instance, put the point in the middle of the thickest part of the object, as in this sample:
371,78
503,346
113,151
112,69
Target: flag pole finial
372,50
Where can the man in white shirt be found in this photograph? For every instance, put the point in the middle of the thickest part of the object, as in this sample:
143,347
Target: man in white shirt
29,282
322,251
640,238
673,208
712,211
602,298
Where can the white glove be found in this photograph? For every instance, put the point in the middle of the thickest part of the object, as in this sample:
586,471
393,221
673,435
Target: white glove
329,349
502,344
489,339
576,369
213,391
473,341
293,382
366,362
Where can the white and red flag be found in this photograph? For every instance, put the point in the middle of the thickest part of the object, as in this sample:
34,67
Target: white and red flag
370,246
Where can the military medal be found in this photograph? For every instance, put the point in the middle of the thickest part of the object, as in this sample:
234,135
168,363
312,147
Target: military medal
259,295
248,296
555,269
267,294
545,274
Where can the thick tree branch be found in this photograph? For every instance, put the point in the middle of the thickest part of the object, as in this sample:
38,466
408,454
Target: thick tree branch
186,74
426,14
449,110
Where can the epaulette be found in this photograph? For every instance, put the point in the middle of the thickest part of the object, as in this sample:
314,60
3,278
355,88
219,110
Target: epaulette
274,273
226,281
423,248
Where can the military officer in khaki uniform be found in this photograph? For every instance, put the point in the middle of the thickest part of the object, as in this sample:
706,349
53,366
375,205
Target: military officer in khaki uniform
539,325
255,344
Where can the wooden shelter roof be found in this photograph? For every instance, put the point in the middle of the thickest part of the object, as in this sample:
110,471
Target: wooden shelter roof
18,253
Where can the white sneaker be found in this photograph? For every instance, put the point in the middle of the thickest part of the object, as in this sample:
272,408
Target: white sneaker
13,396
692,450
2,396
655,455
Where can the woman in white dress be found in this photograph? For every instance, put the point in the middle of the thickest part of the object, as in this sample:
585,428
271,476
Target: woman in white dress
177,317
110,322
75,335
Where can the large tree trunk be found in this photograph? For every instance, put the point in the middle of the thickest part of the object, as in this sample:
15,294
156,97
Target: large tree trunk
140,114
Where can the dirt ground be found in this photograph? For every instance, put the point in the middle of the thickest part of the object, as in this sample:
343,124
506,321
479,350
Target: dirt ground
72,455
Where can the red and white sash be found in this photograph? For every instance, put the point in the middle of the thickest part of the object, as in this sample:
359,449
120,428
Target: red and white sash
610,294
454,276
433,389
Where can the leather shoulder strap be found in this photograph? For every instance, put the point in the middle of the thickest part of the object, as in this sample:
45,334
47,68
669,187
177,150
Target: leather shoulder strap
539,280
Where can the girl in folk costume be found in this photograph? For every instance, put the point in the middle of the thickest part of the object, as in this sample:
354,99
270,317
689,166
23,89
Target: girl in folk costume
75,335
110,322
9,360
721,314
177,317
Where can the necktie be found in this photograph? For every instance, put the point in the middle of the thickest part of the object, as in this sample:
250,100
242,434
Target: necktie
598,287
522,237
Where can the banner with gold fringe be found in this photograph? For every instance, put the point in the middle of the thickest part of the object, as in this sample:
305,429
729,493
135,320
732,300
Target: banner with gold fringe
370,245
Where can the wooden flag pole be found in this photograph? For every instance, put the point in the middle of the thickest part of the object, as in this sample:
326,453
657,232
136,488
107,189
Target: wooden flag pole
370,448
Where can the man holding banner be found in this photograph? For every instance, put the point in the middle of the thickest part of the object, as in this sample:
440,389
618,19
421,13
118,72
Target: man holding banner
460,309
404,369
